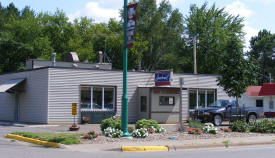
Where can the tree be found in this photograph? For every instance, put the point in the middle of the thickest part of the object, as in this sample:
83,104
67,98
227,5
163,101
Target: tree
236,72
214,27
161,28
262,50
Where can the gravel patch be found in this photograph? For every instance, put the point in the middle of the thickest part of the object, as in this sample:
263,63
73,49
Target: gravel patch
179,137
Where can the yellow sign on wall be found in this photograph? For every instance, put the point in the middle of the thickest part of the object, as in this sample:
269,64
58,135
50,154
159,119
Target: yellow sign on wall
74,109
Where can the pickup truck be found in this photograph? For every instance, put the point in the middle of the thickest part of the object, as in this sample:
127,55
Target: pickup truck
225,110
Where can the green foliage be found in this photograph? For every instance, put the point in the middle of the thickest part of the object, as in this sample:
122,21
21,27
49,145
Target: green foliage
51,137
112,132
195,124
210,129
146,124
196,131
214,27
226,143
110,122
236,72
140,133
239,126
262,51
159,41
130,129
263,126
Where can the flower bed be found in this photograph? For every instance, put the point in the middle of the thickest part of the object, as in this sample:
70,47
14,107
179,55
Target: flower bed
91,135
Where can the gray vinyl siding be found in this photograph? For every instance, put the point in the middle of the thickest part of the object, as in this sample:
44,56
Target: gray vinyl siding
185,104
64,89
33,104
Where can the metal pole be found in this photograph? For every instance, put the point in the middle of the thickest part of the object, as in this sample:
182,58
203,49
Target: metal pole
124,112
195,54
180,108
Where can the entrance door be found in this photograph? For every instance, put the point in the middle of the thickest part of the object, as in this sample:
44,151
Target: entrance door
16,107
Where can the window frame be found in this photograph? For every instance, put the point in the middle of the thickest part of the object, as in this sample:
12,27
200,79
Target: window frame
103,109
196,92
174,100
145,110
260,100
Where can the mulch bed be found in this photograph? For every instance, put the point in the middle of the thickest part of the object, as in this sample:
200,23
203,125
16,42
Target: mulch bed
179,136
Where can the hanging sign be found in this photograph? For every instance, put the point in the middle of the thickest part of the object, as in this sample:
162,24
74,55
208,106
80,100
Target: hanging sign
162,78
74,109
131,24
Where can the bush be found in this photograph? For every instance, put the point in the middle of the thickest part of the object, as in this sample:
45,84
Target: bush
110,122
160,130
90,135
112,132
195,124
226,130
146,124
130,129
196,131
210,129
264,126
140,133
239,126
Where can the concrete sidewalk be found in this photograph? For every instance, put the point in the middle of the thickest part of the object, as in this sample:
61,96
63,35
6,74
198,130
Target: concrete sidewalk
177,145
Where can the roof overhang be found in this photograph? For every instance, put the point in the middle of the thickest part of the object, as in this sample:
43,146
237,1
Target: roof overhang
12,86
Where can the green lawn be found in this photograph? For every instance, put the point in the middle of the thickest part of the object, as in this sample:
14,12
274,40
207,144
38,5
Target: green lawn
63,138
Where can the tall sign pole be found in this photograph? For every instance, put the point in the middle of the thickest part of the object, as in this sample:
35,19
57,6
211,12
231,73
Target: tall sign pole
124,112
129,29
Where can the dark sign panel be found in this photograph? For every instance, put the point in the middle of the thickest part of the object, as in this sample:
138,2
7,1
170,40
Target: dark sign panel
131,24
162,78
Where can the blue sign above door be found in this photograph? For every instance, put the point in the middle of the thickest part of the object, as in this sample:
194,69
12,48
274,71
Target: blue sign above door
162,78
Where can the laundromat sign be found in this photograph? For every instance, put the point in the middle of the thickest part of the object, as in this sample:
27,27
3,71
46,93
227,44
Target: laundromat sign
162,78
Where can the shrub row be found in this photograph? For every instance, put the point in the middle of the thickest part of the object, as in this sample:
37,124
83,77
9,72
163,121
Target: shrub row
112,127
263,126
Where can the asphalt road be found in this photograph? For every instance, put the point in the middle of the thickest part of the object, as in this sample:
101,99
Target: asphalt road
10,149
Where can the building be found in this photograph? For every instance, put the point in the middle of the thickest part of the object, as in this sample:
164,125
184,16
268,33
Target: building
44,94
260,96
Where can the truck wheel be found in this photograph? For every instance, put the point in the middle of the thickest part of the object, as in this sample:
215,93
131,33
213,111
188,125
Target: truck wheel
217,120
251,118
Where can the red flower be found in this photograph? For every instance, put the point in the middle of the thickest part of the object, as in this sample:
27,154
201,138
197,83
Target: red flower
196,131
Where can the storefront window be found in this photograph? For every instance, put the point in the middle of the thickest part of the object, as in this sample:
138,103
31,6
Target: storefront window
210,97
109,98
97,98
85,97
201,98
192,99
166,100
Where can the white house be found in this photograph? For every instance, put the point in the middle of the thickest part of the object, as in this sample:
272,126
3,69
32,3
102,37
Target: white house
260,96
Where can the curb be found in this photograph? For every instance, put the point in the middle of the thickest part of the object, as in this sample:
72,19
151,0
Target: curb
143,148
218,145
34,141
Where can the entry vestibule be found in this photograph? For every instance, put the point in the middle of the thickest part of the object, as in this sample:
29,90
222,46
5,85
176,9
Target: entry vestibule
159,103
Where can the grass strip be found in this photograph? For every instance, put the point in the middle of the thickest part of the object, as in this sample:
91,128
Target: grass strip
62,138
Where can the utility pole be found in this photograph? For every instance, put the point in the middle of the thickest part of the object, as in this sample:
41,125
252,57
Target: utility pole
195,54
270,78
124,112
180,108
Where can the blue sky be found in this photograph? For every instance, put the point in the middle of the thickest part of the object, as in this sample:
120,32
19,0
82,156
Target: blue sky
258,14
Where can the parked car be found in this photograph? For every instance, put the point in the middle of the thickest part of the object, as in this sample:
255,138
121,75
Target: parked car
226,110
